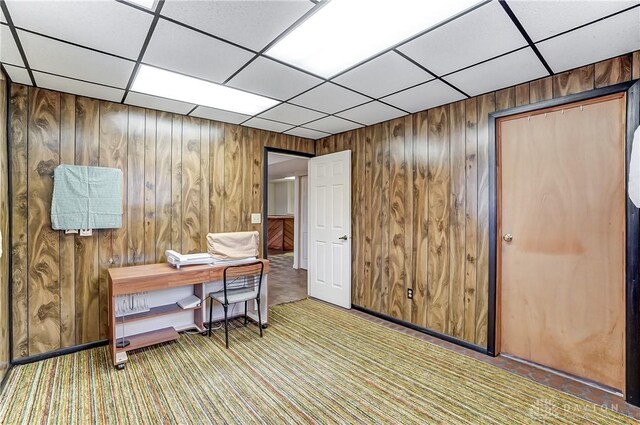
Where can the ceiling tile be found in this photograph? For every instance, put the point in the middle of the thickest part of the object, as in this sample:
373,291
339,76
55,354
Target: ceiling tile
2,18
252,24
269,78
292,114
159,103
179,49
267,125
104,25
80,88
332,125
542,19
385,74
9,52
64,59
219,115
306,132
504,71
605,39
425,96
479,35
17,74
329,98
372,113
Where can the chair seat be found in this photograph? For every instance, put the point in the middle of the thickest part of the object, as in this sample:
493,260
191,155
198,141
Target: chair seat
236,295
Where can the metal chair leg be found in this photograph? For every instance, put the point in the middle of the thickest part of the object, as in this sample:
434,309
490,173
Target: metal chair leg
226,326
245,313
259,318
210,314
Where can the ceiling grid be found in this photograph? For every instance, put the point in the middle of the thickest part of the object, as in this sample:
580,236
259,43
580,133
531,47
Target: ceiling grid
460,57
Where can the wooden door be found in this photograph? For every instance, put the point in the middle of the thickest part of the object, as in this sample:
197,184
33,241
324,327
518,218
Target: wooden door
561,193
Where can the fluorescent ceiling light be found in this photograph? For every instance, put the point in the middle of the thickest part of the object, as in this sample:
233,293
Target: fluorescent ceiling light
158,82
345,32
149,4
290,178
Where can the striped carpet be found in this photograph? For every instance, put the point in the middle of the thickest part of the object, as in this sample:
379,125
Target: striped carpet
316,364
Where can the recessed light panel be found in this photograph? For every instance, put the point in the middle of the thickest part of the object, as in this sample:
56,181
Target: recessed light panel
149,4
158,82
345,32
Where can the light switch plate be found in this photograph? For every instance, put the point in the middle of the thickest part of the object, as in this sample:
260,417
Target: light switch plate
256,218
86,232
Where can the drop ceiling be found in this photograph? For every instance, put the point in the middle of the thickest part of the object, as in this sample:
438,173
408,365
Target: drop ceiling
93,48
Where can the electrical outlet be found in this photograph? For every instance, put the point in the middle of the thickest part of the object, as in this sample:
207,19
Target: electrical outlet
410,293
256,218
86,232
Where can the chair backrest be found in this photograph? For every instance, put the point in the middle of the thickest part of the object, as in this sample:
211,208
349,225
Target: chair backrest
245,277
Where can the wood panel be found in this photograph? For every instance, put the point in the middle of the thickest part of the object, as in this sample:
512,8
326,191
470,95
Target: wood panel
444,201
486,105
163,182
358,211
233,176
150,187
574,81
216,168
135,201
176,182
174,171
67,242
43,244
191,223
112,244
421,220
438,261
376,217
471,219
457,221
397,294
205,132
86,250
541,89
5,355
613,71
18,112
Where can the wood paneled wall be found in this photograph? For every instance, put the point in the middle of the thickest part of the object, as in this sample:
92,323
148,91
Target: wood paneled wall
184,177
421,203
4,231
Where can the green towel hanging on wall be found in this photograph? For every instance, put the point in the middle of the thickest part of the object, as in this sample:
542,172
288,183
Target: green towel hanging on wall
86,198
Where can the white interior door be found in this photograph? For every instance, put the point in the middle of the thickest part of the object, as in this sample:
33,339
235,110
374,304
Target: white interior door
329,273
304,222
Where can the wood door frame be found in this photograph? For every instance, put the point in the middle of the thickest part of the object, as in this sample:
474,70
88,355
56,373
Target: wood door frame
632,251
265,190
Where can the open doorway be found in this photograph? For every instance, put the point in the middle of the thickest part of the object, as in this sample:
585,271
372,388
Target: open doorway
286,226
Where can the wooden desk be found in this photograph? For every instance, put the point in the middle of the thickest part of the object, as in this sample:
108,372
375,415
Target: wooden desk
157,277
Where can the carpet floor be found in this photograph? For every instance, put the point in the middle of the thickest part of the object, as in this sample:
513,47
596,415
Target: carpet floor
315,364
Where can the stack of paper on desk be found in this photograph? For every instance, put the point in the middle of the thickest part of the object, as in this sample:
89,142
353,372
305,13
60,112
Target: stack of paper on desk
176,259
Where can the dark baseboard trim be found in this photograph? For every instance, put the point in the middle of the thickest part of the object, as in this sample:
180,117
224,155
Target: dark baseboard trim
60,352
5,378
430,332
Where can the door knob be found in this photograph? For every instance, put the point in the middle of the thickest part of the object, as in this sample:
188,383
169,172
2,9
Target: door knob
508,237
343,238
